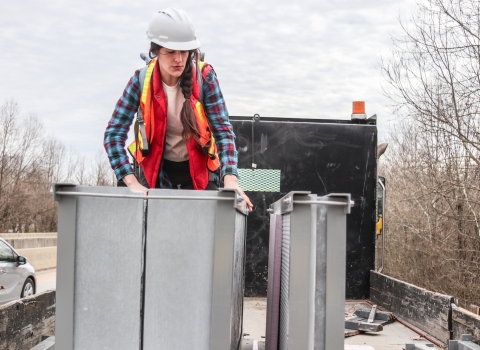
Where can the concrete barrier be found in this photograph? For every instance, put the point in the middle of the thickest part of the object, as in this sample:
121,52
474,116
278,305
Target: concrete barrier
40,258
23,322
465,322
23,243
8,236
429,311
30,240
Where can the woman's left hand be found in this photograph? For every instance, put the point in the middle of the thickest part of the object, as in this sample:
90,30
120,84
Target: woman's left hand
231,181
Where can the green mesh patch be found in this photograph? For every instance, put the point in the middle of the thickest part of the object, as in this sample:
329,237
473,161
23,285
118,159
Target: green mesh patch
259,180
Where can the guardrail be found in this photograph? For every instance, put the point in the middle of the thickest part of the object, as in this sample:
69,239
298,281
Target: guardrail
32,242
433,313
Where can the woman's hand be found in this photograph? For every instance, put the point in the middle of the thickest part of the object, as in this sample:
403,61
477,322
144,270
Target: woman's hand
131,181
231,181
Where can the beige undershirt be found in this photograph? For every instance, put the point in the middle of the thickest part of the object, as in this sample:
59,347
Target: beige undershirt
175,146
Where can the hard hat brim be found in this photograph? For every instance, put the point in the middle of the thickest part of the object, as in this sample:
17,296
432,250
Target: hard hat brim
182,45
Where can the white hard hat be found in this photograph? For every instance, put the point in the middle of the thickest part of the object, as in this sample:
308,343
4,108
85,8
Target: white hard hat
173,29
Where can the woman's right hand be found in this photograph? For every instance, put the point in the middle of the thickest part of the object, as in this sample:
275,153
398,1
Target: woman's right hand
131,181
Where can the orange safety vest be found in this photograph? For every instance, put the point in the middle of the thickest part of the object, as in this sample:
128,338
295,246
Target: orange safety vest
153,108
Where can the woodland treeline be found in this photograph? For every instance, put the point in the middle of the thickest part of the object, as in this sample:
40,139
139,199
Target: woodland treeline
432,165
30,161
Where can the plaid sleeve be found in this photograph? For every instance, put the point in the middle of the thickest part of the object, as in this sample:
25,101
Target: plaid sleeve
217,114
117,129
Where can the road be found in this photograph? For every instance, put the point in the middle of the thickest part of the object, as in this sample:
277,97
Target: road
46,279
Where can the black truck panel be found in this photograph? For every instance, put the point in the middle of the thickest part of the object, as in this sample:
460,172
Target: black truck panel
321,156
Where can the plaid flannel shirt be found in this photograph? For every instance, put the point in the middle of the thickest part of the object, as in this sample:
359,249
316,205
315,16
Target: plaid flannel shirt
124,113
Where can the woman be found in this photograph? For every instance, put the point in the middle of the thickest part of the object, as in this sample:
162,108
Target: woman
182,106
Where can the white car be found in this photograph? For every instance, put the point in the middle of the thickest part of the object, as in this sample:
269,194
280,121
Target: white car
17,276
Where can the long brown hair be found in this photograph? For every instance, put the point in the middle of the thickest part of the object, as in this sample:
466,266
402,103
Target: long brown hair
187,116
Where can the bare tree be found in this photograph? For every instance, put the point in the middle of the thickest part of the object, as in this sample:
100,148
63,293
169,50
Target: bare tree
18,142
53,160
101,172
433,165
29,163
9,111
81,171
432,210
433,75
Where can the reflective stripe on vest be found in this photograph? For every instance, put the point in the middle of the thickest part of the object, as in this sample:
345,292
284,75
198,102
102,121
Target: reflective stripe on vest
146,114
207,140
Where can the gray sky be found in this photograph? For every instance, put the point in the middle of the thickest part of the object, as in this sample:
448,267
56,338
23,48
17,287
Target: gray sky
69,61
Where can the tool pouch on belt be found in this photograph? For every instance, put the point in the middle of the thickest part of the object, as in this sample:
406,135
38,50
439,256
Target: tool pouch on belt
140,148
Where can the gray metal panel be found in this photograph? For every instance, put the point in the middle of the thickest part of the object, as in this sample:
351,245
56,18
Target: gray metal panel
465,343
238,280
313,271
194,272
108,270
420,346
179,270
321,277
246,344
67,211
285,284
336,267
47,344
194,259
301,308
223,289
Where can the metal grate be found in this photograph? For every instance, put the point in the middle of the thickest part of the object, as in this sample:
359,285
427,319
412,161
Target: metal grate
284,284
259,180
238,282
